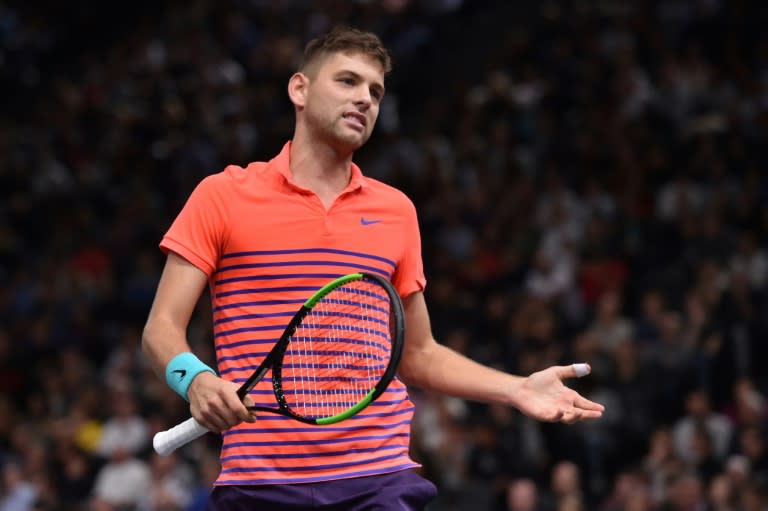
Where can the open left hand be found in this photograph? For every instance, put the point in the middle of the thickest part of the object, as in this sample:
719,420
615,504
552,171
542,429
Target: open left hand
543,396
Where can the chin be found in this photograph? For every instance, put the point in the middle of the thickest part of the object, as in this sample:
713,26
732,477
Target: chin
352,143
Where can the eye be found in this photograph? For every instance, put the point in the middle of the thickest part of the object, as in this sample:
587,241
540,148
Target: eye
347,81
376,94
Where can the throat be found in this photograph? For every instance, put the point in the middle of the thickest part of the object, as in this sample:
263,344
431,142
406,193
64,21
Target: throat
327,189
320,169
327,199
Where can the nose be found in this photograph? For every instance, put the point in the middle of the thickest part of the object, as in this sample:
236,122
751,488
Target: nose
363,98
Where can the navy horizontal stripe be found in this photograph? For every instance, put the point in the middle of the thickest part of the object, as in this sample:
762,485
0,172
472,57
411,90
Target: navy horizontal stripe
331,353
264,328
323,313
314,326
387,414
352,289
260,303
278,417
322,409
303,263
358,416
320,313
259,342
310,429
305,468
313,429
347,328
318,353
258,253
314,378
350,367
329,276
264,398
346,340
327,441
255,316
367,306
261,354
257,304
340,404
357,473
250,369
313,455
311,289
307,391
245,355
247,342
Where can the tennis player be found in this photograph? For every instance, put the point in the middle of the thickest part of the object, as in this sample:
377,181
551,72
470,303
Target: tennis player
264,237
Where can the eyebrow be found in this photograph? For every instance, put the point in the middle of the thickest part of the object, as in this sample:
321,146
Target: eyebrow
379,87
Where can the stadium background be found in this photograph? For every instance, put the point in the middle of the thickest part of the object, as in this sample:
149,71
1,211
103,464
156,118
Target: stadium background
590,181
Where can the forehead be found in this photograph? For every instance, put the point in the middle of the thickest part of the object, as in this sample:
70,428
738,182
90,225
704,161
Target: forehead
357,62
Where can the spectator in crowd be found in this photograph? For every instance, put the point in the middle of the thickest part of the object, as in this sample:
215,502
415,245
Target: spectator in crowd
572,151
124,481
125,430
522,495
19,494
699,414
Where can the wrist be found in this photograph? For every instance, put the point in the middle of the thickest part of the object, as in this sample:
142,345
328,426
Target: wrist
181,370
513,390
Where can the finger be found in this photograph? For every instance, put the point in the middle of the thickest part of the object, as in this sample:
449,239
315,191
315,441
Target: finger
585,404
556,416
248,404
213,420
573,415
236,410
590,414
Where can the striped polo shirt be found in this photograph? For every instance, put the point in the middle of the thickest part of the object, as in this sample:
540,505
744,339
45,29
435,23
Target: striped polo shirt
266,245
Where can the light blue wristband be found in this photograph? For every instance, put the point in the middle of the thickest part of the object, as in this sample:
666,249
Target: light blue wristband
181,370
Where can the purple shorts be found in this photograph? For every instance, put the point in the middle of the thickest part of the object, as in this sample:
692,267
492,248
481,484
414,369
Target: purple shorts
402,491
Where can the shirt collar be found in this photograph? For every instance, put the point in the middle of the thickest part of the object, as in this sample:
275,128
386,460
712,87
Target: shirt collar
281,167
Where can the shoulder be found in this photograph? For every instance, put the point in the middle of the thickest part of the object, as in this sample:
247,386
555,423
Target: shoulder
385,194
232,176
237,174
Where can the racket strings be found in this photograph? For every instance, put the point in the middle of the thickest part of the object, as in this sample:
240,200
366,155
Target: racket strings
339,351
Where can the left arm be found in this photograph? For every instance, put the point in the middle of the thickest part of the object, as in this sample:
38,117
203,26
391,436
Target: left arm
430,365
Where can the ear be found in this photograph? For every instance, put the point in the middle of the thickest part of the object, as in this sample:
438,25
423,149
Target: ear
297,88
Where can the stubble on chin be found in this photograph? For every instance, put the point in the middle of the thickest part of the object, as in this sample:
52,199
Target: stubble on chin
349,141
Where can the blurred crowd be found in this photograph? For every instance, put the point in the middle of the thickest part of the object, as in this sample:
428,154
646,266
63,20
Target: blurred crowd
590,184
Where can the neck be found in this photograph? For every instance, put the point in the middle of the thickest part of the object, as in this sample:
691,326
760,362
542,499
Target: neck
319,166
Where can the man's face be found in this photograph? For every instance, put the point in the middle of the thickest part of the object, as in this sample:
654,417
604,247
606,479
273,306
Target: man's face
343,97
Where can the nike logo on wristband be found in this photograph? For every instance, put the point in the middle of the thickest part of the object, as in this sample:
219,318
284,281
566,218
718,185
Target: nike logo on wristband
182,373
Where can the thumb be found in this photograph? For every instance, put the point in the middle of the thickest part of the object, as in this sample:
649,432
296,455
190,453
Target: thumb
574,370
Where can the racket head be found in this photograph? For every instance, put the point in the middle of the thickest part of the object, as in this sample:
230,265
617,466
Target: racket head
340,351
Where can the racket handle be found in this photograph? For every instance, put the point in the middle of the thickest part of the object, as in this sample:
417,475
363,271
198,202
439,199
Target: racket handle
165,442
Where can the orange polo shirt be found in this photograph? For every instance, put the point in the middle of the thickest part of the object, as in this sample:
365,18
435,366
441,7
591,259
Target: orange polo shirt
266,245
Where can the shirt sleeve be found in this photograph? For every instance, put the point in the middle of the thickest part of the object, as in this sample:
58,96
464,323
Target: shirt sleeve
409,275
198,232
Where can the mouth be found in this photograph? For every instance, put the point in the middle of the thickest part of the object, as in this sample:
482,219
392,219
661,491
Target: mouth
356,119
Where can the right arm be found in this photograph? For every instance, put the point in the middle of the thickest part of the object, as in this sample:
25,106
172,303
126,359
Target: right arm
213,401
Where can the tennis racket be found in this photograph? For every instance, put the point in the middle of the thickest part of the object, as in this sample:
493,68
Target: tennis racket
336,356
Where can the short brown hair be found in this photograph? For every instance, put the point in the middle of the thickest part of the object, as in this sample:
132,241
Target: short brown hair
345,39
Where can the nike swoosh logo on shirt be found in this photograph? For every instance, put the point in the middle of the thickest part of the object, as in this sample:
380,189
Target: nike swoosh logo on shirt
363,221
